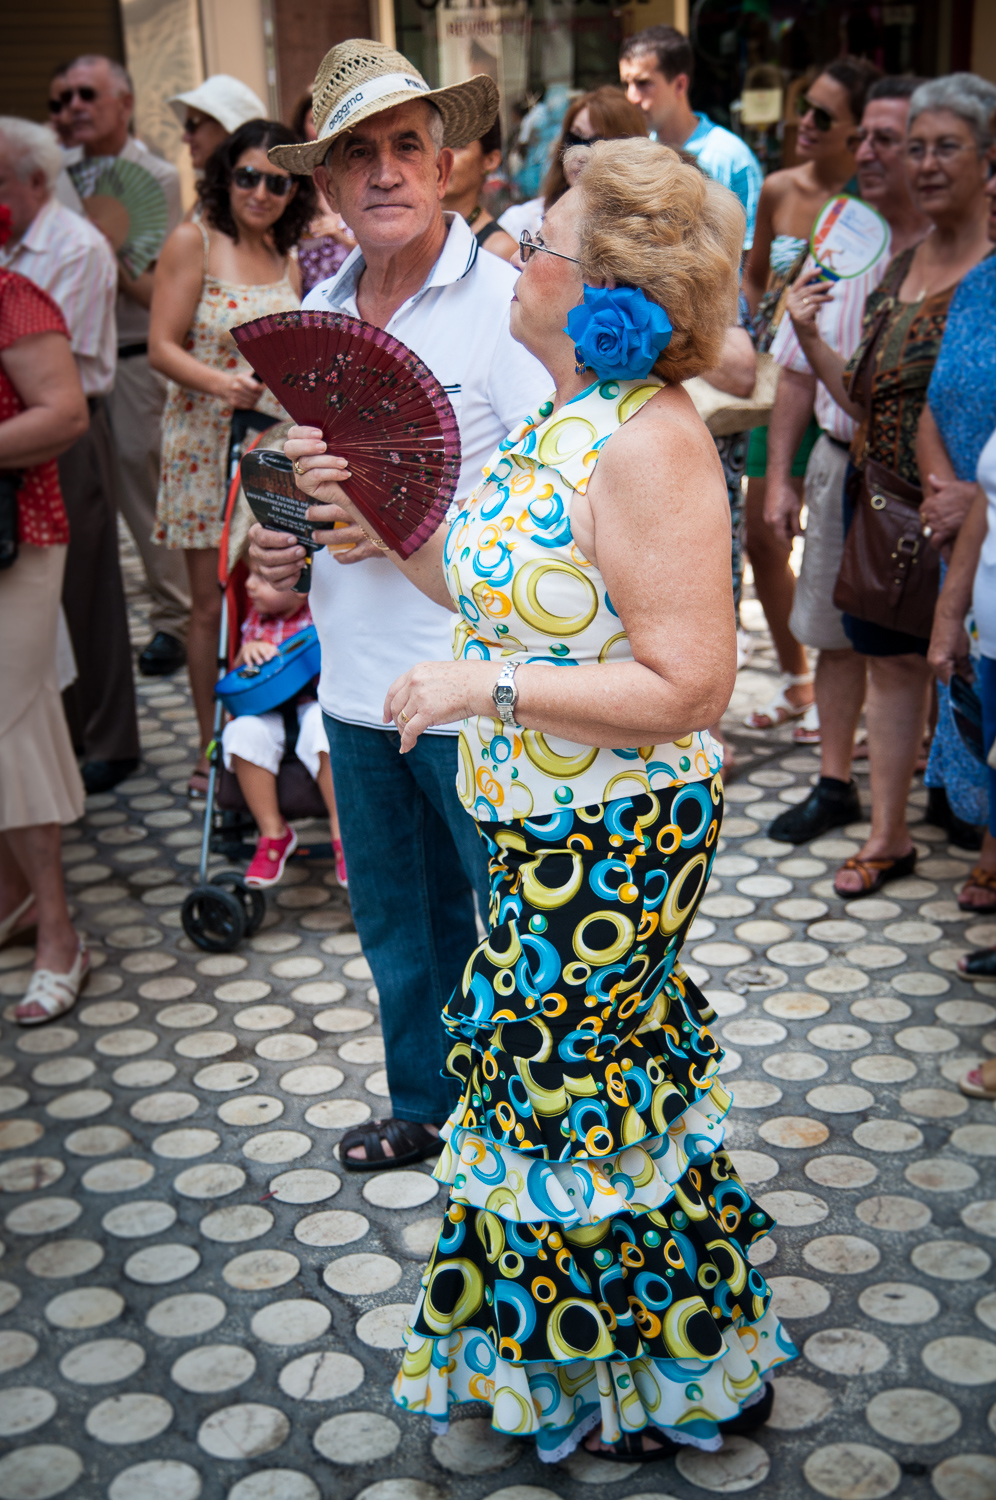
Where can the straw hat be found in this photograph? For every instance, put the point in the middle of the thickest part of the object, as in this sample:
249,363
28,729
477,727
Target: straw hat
359,78
222,97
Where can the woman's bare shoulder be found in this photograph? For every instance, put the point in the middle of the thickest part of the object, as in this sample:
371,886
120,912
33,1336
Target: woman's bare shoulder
185,242
667,430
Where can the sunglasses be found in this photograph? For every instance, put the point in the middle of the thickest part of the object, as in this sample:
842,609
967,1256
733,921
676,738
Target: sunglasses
527,245
572,139
58,102
248,178
193,123
822,118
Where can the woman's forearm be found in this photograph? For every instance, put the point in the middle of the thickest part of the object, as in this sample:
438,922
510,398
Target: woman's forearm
616,705
829,367
182,368
424,568
956,596
40,433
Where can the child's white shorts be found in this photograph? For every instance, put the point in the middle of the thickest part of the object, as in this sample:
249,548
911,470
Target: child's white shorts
260,739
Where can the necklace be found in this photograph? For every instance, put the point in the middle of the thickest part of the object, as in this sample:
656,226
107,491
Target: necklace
474,215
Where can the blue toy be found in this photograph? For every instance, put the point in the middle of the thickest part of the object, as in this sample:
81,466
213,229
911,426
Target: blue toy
259,690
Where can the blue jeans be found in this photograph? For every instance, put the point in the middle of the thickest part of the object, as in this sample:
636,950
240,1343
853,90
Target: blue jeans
414,858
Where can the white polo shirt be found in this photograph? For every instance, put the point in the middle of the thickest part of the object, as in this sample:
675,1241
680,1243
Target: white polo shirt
71,260
373,624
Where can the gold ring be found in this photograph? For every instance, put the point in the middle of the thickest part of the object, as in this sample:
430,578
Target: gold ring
928,531
806,301
402,717
297,466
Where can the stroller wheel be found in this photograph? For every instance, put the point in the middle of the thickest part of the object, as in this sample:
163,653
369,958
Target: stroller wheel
253,902
214,919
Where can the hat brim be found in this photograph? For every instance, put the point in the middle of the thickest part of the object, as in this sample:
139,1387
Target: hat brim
469,110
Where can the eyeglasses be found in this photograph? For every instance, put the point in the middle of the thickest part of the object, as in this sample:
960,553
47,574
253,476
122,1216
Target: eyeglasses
879,140
527,245
193,123
822,118
58,102
248,178
943,152
571,138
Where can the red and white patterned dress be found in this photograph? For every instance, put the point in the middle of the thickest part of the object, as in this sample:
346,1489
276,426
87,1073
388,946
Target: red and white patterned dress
25,310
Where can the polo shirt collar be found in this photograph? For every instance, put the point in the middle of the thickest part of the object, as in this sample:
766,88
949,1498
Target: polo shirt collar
459,252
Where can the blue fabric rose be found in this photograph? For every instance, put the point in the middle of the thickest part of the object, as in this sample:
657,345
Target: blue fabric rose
618,332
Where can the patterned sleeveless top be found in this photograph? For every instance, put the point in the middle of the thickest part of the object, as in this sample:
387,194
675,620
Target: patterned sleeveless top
525,591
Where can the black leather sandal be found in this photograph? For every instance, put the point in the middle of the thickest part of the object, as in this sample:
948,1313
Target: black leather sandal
409,1141
978,965
630,1450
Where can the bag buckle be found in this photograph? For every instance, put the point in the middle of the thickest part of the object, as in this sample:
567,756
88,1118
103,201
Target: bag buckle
877,502
910,544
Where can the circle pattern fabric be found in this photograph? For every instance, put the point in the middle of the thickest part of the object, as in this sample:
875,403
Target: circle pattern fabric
594,1253
526,592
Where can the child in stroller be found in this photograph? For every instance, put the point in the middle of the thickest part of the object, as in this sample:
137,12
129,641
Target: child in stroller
253,744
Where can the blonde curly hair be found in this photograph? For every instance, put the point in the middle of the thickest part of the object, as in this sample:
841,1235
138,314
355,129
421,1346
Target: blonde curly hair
652,220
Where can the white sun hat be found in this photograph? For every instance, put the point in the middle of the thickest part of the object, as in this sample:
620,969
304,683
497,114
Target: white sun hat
360,78
222,97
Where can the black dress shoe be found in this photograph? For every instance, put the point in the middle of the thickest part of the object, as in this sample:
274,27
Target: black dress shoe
102,775
163,656
939,813
831,804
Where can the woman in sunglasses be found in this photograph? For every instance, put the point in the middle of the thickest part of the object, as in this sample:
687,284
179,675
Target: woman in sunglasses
231,265
829,112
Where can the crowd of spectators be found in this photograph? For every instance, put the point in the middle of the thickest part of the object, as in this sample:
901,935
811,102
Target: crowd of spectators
892,369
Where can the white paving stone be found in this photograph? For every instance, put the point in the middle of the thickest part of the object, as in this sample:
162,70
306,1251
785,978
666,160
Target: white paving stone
361,1437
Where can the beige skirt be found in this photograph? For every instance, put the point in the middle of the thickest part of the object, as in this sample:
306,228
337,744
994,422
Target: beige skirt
39,778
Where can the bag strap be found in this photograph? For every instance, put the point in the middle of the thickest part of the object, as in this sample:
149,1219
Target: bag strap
861,380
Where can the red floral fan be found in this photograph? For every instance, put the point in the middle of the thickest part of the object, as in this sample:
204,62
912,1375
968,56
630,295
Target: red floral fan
379,408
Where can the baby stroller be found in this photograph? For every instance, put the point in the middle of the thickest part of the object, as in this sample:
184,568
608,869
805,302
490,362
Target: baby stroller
222,909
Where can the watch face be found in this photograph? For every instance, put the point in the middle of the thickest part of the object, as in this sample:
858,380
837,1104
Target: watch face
503,694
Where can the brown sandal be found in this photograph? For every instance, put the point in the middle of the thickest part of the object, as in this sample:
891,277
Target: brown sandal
875,873
985,880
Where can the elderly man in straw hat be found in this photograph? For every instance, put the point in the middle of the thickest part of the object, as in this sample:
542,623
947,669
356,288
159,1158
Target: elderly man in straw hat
382,160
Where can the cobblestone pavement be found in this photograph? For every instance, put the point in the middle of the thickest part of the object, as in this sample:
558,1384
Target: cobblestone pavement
197,1301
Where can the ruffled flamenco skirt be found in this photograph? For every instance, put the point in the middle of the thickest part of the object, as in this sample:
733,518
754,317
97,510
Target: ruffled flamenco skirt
592,1269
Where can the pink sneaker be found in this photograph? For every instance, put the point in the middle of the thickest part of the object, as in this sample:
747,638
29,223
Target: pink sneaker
340,864
269,860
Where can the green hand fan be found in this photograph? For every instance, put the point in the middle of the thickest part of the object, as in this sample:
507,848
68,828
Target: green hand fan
127,204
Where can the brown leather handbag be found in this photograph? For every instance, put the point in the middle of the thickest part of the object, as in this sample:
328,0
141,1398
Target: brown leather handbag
889,574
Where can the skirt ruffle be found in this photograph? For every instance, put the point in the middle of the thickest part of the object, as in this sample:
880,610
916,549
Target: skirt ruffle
592,1267
557,1404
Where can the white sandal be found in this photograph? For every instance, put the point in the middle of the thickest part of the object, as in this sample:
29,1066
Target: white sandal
808,731
53,993
780,711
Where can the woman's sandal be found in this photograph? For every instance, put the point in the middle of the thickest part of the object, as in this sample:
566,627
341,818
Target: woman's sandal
979,965
409,1141
629,1448
54,994
807,732
875,873
197,786
780,711
972,1084
983,880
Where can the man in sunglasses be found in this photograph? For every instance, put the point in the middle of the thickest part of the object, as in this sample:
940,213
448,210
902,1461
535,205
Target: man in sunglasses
96,94
657,68
837,314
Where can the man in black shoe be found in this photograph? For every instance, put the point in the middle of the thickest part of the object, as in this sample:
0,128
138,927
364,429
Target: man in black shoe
815,619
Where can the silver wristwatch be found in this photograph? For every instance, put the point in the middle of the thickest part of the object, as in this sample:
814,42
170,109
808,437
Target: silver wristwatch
505,694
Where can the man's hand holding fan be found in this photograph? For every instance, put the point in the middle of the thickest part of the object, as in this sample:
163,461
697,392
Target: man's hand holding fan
376,431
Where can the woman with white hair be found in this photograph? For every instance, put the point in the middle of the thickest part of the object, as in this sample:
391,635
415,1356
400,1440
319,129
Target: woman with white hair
884,387
591,1280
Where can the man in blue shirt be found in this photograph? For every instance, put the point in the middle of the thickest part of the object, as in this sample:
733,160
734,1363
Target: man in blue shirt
657,67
